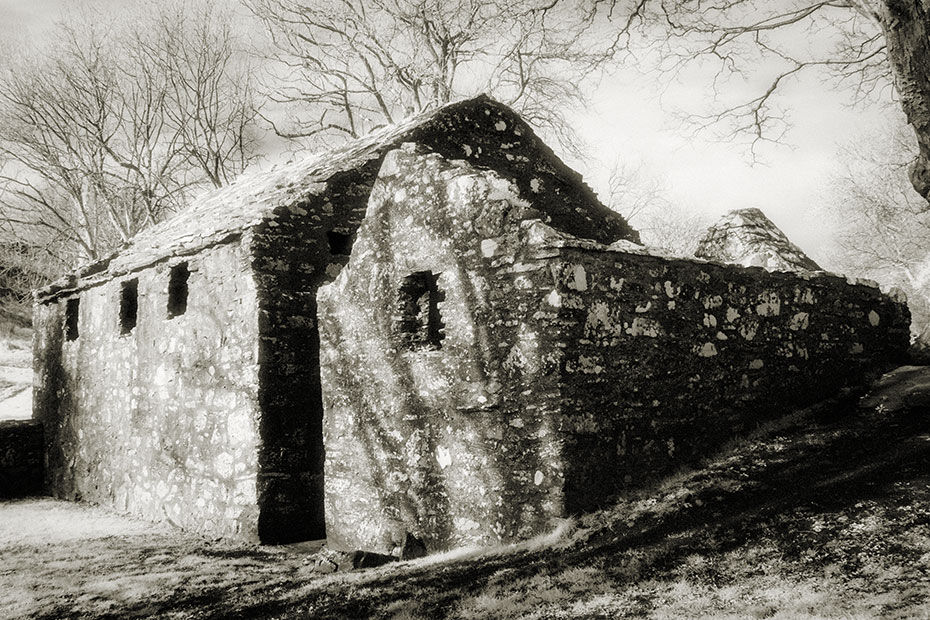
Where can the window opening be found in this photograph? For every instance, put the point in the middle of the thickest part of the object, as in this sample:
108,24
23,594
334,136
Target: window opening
177,290
421,325
128,305
72,306
340,244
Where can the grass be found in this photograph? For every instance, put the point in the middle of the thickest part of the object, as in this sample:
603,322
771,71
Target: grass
825,514
15,360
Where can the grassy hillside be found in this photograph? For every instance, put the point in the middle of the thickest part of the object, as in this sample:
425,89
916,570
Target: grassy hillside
823,515
15,359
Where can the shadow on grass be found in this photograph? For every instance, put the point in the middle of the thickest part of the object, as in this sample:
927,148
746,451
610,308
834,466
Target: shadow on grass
772,488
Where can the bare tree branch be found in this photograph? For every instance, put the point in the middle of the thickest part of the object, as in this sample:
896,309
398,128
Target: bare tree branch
866,43
111,126
348,67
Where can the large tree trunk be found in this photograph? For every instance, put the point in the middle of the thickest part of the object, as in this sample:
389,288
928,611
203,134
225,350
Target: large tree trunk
906,24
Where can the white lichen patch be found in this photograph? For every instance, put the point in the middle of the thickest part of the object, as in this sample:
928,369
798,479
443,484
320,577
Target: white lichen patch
769,304
756,364
598,319
554,299
162,376
799,321
670,290
523,282
748,331
500,126
803,296
535,186
710,320
488,247
443,457
856,348
239,428
732,314
874,318
713,301
501,190
708,349
589,366
465,525
467,150
224,465
579,280
538,478
644,308
642,326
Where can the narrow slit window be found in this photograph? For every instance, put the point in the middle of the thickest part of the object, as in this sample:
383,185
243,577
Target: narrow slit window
72,312
340,244
177,290
421,325
128,306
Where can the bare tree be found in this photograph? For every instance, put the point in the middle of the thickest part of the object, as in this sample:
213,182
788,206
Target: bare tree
640,196
111,126
674,229
867,43
347,67
632,190
882,225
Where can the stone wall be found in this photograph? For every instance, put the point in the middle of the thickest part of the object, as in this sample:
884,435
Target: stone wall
298,222
161,421
21,458
436,438
747,237
295,251
666,359
549,372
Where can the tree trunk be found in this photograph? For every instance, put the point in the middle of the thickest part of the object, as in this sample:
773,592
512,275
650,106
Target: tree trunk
906,25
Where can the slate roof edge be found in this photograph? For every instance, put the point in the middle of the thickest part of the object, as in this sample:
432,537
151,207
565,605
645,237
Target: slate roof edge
258,194
84,278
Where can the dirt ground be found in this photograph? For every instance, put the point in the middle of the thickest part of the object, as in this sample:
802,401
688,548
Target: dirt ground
825,514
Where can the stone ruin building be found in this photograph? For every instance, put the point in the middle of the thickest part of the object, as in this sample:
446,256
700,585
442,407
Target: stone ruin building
434,332
747,237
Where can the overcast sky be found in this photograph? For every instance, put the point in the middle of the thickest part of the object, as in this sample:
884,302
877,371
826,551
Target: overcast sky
627,122
789,182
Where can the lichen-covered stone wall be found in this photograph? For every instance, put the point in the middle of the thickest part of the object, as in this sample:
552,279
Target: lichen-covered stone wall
294,254
21,458
161,421
294,251
552,371
444,443
747,237
298,222
666,359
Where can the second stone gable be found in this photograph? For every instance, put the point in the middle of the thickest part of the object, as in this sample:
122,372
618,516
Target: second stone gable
425,414
485,374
